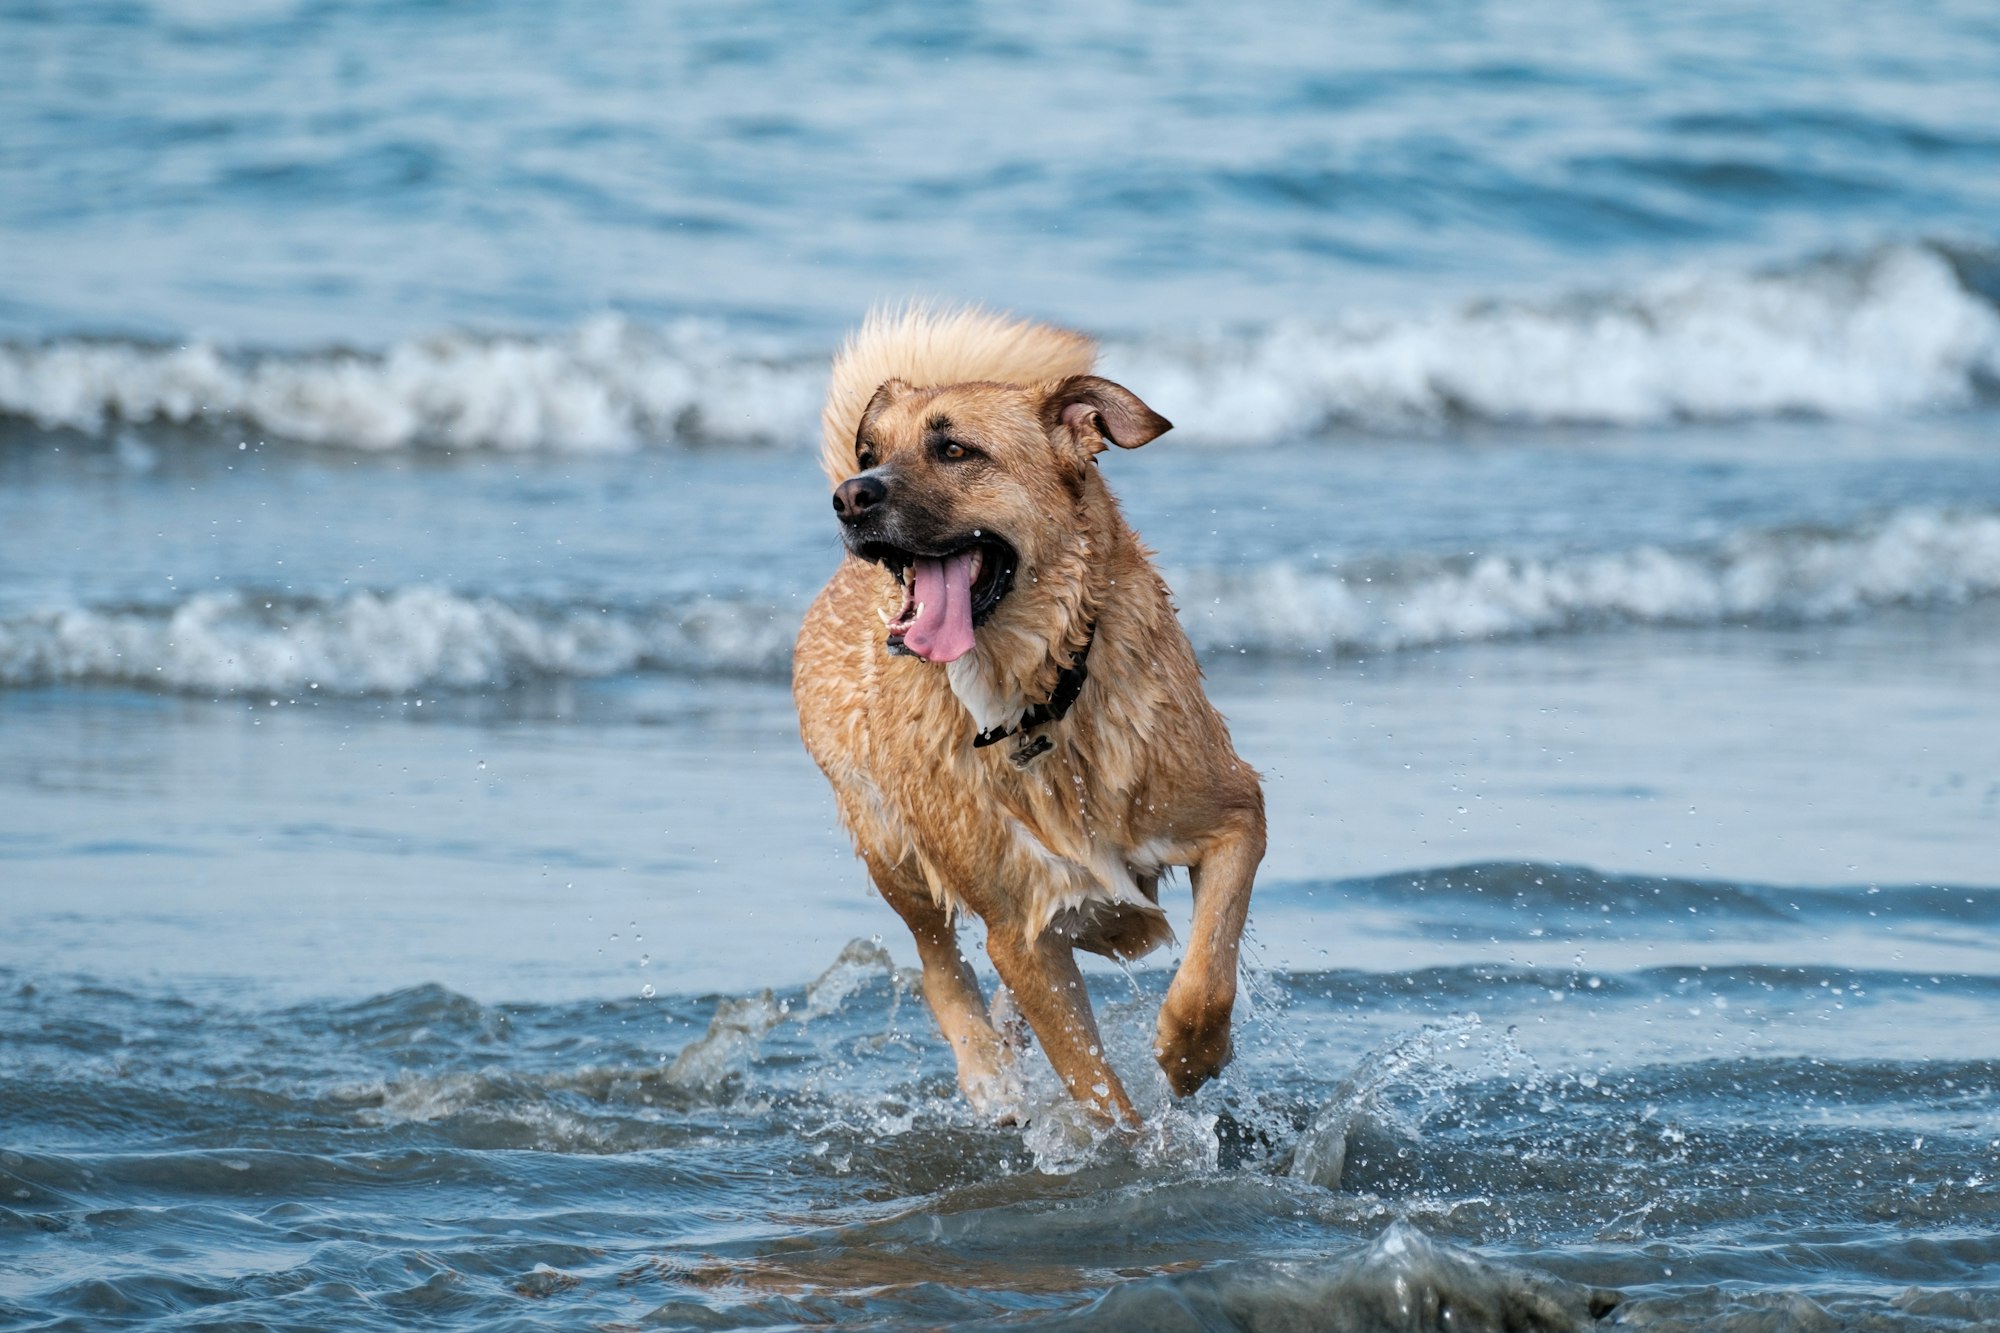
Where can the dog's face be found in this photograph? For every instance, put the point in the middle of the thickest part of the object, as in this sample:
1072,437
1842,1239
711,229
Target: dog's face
960,490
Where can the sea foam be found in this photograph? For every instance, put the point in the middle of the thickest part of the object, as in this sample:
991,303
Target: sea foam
423,637
608,385
388,642
1891,331
1913,555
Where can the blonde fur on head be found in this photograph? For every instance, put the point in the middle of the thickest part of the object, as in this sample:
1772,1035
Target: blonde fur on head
926,347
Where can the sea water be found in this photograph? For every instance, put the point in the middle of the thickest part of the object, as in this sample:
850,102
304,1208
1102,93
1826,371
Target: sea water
416,909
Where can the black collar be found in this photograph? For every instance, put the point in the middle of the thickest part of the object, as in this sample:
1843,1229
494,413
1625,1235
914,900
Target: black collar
1069,684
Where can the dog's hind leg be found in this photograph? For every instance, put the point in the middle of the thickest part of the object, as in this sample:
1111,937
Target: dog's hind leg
1049,991
985,1061
1192,1042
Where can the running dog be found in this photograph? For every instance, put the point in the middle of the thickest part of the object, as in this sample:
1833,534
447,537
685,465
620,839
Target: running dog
1010,715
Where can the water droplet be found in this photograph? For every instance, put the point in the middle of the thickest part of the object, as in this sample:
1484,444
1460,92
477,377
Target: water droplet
646,991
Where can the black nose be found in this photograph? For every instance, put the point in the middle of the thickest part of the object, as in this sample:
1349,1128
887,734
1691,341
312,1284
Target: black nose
853,498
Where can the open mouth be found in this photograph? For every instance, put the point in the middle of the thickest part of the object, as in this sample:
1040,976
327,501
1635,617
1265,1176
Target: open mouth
945,596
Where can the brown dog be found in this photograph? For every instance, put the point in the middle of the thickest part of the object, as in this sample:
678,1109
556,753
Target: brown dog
1010,715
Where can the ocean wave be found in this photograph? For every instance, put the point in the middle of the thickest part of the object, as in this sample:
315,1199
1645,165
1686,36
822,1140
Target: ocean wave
609,385
418,638
1897,330
1540,900
391,642
1911,556
1903,328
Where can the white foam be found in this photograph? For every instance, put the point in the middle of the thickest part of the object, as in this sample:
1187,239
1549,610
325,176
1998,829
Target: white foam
424,637
610,384
1914,555
382,643
1892,331
1888,333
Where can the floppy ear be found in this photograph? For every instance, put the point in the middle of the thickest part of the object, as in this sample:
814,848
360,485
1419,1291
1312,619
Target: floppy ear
1093,410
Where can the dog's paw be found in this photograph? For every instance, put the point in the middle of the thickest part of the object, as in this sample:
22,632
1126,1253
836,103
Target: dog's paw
987,1072
1192,1043
996,1095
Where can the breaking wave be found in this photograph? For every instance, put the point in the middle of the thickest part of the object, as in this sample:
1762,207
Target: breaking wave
389,642
401,640
1788,576
609,385
1901,329
1904,328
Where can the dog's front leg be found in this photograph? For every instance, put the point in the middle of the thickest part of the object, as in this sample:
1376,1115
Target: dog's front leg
985,1062
1048,989
1193,1033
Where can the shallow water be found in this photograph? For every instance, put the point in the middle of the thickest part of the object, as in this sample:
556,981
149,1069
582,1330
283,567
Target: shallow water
1718,1143
679,1101
416,908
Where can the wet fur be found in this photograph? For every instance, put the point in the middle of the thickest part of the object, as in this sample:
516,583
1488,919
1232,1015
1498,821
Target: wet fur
1067,852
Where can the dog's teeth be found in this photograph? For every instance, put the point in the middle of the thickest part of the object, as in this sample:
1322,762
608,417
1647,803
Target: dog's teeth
887,619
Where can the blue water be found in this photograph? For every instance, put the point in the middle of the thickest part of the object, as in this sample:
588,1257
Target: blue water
306,173
416,908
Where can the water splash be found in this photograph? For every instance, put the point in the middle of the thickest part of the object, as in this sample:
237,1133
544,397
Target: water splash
737,1030
1418,1064
858,962
727,1048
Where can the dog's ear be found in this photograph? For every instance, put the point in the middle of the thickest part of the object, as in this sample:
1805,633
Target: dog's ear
1093,410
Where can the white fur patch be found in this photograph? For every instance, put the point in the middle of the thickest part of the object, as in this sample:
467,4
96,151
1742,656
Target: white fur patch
1156,854
990,704
1066,884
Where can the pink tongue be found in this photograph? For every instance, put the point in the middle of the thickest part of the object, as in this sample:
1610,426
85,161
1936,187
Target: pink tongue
942,630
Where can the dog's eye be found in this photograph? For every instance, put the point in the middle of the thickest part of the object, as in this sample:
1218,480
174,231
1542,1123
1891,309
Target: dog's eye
865,456
953,451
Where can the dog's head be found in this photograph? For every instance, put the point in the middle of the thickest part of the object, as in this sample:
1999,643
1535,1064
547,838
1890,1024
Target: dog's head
961,490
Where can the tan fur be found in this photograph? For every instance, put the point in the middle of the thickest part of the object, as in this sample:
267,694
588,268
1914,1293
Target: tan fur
926,347
1066,852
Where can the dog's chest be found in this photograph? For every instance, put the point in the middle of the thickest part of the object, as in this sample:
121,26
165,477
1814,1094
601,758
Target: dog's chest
1055,837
